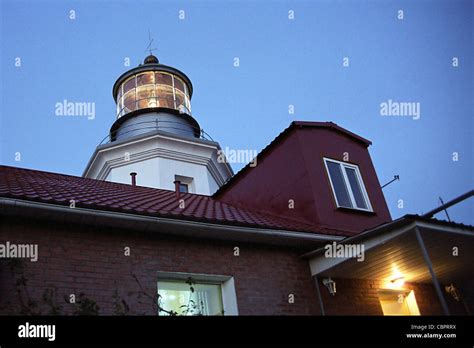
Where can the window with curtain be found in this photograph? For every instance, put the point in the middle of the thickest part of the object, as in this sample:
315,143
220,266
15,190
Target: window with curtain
188,298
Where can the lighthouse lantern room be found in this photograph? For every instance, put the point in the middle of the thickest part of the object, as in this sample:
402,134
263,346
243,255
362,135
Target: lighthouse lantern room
155,137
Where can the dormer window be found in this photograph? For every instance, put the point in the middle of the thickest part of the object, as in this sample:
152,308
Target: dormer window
347,185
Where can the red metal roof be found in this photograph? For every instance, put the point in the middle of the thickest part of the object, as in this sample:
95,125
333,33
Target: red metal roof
59,189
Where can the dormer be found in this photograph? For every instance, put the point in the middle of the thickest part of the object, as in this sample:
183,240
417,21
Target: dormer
316,172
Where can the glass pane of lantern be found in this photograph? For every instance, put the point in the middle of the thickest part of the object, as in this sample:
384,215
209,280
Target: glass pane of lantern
163,79
179,98
165,96
188,105
145,79
144,96
119,107
179,84
129,101
129,84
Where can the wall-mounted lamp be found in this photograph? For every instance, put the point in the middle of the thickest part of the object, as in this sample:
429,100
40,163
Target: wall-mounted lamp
331,285
451,289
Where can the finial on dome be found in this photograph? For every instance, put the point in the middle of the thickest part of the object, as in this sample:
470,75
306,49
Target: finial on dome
151,59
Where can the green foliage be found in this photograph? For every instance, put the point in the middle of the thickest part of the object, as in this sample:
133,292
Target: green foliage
121,306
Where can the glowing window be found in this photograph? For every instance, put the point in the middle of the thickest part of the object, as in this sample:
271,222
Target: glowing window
129,84
165,96
129,101
163,79
152,89
147,78
179,98
179,84
145,96
189,298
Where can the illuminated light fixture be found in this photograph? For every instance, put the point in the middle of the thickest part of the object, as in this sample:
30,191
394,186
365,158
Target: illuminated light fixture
331,285
451,289
398,282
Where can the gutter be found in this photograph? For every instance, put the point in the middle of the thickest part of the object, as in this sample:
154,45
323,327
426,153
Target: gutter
161,226
407,221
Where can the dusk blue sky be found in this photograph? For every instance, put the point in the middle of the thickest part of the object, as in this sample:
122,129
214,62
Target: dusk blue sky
282,62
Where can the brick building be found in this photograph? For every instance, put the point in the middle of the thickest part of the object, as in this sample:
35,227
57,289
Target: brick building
159,224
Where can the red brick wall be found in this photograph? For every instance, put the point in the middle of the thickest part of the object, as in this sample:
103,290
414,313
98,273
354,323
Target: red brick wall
86,259
360,297
83,259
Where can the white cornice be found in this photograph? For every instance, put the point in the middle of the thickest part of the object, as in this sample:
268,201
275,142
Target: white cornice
159,136
162,153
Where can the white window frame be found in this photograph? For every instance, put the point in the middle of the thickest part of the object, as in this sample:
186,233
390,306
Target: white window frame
348,185
229,297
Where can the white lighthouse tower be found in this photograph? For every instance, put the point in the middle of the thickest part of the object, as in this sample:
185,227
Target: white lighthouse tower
155,141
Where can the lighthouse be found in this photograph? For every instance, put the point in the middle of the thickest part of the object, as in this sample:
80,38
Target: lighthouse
155,140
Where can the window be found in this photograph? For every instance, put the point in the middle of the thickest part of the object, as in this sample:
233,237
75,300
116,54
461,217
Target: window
129,100
165,94
164,79
189,298
195,294
347,185
183,188
147,78
129,84
398,302
179,84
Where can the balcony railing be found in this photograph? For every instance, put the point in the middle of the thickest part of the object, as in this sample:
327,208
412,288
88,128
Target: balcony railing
148,126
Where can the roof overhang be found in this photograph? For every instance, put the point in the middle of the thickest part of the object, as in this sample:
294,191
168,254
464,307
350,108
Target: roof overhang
162,226
394,249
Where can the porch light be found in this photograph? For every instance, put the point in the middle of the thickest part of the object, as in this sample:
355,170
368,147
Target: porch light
331,285
398,282
451,289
